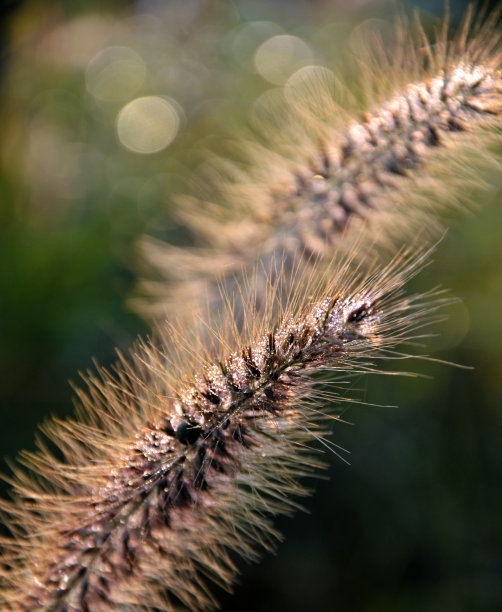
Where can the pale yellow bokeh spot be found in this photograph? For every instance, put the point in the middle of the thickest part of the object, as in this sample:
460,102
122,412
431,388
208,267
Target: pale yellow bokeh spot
279,56
148,124
115,74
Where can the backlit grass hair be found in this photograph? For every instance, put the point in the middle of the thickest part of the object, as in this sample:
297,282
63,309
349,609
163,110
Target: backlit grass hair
181,456
417,122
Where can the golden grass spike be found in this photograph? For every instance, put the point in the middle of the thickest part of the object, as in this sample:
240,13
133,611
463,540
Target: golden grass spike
407,148
183,454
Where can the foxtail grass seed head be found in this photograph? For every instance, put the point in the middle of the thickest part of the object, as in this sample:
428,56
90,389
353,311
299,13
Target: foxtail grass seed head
385,165
180,457
183,454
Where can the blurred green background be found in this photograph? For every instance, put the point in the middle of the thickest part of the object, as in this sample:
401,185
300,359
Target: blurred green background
415,522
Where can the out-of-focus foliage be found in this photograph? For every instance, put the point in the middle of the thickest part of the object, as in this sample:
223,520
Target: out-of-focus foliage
108,110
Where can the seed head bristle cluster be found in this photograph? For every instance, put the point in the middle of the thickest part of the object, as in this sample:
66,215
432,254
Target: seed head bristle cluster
176,462
430,110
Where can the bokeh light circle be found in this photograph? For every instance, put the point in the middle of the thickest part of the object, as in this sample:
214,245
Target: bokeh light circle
147,124
279,56
115,73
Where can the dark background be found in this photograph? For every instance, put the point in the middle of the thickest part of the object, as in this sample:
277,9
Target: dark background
415,522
